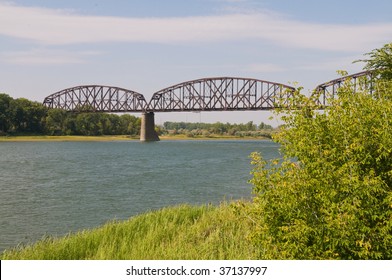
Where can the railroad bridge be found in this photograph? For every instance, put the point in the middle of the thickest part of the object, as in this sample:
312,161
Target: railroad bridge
208,94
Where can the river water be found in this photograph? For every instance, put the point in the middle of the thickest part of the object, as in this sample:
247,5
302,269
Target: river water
53,188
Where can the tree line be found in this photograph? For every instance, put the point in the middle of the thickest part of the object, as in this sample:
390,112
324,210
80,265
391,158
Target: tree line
218,128
22,116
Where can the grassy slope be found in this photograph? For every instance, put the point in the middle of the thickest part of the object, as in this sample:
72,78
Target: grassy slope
181,232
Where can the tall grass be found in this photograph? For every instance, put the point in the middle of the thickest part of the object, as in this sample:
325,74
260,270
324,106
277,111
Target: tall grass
181,232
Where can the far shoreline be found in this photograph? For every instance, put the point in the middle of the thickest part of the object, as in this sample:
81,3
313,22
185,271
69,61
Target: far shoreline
68,138
113,138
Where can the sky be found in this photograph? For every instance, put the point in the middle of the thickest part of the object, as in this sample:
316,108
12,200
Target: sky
147,45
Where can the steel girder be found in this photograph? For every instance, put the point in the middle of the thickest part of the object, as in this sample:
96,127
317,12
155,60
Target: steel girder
219,94
97,98
358,81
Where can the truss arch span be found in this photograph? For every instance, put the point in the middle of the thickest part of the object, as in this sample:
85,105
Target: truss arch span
96,98
219,94
358,81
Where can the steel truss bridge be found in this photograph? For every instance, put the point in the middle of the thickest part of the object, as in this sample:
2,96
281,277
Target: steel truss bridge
208,94
211,94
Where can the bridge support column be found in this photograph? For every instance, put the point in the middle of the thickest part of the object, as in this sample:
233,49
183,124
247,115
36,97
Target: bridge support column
147,130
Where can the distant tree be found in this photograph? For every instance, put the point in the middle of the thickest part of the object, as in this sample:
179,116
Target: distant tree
5,122
250,126
159,130
27,116
264,126
89,124
217,128
70,124
130,124
56,122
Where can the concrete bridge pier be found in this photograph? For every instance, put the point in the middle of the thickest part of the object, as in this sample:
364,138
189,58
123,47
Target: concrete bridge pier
147,130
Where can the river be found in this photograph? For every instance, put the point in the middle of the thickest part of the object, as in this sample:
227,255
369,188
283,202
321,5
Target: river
53,188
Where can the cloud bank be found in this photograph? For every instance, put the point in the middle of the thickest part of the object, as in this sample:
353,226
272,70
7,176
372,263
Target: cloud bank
58,27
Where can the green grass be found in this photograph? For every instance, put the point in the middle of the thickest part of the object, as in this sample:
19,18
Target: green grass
181,232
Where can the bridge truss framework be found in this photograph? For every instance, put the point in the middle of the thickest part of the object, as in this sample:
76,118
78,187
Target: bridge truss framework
358,81
97,98
219,94
208,94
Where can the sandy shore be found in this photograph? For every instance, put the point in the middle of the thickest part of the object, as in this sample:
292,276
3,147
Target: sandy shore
65,138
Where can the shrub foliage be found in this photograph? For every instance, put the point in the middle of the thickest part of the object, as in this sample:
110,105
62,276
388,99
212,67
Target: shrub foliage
330,196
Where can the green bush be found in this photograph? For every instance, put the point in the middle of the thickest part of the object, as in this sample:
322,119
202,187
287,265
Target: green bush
330,197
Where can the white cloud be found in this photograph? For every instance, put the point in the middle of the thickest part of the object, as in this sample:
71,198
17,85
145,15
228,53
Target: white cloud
46,57
58,27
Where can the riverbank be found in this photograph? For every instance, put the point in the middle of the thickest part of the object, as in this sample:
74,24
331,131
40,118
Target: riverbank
211,137
74,138
181,232
109,138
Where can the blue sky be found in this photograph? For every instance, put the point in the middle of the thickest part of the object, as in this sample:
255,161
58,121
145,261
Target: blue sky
147,45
